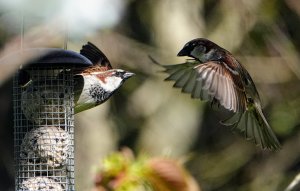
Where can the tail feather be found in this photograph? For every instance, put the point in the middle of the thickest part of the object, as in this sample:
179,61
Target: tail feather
271,138
254,130
255,127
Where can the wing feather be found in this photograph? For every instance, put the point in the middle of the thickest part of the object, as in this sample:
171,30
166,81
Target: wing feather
229,95
208,81
196,92
95,55
176,75
183,79
189,85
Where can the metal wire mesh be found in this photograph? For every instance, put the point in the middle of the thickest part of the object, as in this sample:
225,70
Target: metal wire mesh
44,130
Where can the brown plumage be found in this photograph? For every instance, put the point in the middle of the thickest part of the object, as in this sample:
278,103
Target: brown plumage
95,84
215,75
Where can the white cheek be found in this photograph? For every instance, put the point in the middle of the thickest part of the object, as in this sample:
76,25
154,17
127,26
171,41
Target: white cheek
112,83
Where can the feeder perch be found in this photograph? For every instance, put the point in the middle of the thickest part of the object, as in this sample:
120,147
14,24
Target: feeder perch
43,98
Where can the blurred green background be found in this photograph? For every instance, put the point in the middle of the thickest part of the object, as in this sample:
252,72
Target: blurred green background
147,114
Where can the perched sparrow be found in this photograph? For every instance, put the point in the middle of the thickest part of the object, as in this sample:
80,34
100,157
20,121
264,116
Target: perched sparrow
44,97
94,85
214,74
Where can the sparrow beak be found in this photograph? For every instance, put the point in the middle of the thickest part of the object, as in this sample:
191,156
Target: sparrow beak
183,52
128,75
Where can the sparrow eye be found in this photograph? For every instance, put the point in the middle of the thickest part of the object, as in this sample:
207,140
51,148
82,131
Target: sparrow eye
119,74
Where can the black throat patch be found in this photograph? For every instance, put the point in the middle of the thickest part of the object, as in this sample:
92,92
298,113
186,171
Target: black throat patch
98,93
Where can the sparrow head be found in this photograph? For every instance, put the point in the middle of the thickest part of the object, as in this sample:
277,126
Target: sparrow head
201,49
115,78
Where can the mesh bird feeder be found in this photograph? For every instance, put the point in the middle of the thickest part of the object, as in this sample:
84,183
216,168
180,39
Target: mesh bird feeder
44,121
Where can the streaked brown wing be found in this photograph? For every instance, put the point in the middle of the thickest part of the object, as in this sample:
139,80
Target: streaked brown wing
95,55
209,81
222,85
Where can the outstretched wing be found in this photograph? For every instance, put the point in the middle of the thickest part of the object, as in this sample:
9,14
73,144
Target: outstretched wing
215,81
210,81
222,85
95,55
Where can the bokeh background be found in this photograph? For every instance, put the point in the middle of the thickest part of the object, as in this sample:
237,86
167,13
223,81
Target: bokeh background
147,114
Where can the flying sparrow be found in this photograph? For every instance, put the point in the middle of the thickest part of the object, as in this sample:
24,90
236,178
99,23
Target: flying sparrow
213,74
94,85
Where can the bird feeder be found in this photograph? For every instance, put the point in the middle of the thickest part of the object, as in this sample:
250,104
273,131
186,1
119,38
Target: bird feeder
43,102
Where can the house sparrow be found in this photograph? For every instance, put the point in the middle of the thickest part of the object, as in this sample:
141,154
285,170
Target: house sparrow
94,85
44,97
213,74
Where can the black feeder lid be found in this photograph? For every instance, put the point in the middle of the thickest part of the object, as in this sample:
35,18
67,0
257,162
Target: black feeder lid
58,57
51,57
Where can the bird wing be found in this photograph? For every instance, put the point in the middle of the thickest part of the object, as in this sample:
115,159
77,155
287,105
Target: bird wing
221,84
96,56
210,81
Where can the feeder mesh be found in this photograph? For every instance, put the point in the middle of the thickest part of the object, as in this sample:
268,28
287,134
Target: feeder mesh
44,130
